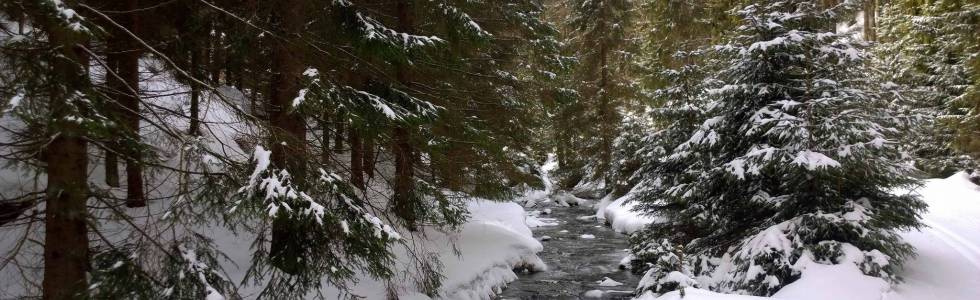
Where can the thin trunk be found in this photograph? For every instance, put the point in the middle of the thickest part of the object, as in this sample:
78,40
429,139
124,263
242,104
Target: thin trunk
356,158
288,133
115,88
870,20
605,128
338,137
194,127
369,156
404,198
129,71
66,248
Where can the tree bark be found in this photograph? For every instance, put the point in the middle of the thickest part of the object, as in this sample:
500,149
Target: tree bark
288,132
338,138
115,88
356,158
66,248
404,197
195,123
128,70
369,156
870,20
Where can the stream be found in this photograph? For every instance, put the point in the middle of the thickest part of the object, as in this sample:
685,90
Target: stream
576,264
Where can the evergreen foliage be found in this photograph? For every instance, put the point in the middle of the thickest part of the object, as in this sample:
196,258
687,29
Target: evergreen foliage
791,159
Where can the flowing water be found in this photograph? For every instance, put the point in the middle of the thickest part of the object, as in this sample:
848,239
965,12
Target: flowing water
576,264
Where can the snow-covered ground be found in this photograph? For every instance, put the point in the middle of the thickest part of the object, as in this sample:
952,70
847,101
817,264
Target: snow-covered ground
947,266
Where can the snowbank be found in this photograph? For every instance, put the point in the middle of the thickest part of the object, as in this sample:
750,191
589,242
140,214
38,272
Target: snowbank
491,246
477,261
620,215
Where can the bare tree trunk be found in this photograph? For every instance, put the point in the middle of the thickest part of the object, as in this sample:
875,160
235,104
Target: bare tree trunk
288,133
116,87
195,123
325,126
369,156
338,138
129,100
66,248
605,128
404,198
356,158
870,20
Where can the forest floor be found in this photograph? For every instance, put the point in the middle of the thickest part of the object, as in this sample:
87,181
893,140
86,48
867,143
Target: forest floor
583,260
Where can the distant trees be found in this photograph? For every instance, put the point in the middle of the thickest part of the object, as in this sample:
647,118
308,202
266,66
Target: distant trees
928,50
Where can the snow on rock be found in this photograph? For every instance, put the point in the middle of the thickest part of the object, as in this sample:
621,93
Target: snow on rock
587,237
606,281
619,214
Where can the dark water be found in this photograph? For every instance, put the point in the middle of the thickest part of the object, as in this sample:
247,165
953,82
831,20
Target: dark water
575,264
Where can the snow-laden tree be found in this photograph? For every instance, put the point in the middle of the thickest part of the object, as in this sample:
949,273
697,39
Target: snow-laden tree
791,162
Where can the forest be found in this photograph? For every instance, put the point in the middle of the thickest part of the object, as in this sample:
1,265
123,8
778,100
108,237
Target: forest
490,149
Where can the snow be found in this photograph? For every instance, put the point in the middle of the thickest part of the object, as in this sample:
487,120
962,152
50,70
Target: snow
948,262
593,294
490,245
620,215
841,281
695,294
606,281
587,237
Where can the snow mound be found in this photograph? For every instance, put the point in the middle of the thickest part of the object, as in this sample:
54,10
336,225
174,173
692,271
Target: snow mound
840,282
606,281
491,245
619,214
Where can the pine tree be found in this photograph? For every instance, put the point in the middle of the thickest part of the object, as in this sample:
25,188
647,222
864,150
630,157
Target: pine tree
792,162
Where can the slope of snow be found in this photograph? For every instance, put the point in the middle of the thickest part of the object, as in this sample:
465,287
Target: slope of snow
948,262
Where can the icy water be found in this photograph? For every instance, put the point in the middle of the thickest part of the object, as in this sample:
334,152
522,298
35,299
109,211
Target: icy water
575,264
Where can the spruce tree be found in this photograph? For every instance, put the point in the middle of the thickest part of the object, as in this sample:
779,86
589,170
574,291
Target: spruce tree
792,160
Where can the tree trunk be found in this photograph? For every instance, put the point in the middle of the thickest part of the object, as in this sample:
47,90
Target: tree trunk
404,197
356,158
605,118
195,122
288,133
870,20
369,156
115,88
129,100
338,138
66,247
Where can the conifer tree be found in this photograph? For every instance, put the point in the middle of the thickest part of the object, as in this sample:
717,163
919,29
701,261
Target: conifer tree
791,162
